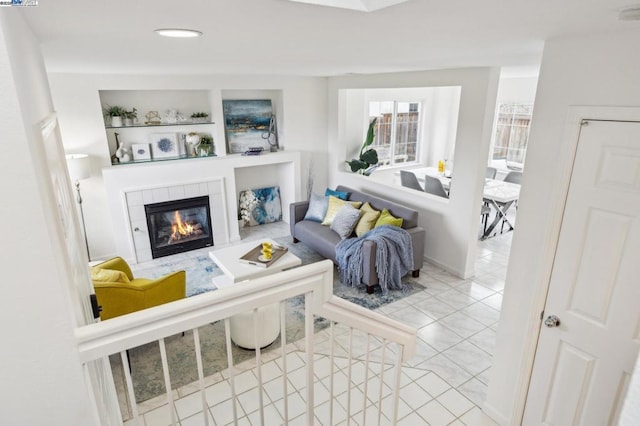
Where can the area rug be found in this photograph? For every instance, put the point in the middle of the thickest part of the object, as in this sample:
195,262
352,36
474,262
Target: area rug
145,360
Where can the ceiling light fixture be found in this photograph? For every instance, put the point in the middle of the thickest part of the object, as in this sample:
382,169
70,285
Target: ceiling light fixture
177,32
630,14
360,5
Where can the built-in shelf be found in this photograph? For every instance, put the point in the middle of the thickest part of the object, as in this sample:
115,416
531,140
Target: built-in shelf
182,123
157,160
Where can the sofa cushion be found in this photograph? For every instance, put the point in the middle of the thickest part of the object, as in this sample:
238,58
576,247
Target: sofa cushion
367,220
108,275
345,220
336,204
319,238
387,218
409,216
317,208
338,194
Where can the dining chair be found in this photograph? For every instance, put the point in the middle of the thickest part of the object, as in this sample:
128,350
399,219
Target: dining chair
513,177
409,180
434,186
491,173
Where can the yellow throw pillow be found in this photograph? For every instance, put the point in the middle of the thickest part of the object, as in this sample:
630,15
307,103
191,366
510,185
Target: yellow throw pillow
336,204
387,219
368,219
108,275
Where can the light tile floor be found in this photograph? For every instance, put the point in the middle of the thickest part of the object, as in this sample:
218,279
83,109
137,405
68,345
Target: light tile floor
445,383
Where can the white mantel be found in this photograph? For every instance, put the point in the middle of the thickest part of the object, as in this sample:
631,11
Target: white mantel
213,176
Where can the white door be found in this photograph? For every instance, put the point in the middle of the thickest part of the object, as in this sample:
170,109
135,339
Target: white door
583,365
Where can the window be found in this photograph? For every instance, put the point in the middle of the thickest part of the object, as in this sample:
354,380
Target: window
396,131
512,134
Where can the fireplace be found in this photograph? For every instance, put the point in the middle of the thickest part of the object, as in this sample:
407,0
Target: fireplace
178,226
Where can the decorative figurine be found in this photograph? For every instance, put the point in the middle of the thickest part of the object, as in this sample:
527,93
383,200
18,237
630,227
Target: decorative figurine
152,118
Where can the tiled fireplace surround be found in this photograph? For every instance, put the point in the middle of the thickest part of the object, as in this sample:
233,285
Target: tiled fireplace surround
136,199
129,187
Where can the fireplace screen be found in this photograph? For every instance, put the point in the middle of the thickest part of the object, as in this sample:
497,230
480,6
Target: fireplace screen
179,226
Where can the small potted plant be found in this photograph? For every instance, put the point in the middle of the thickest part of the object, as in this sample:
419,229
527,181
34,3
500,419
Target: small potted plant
116,113
206,147
199,117
130,117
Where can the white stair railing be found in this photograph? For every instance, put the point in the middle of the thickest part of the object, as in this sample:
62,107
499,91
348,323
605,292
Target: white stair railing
315,282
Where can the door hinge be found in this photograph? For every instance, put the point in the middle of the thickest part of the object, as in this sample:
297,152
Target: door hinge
541,315
95,307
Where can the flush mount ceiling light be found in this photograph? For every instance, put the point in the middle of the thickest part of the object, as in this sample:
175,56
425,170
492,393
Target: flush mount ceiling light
177,32
361,5
630,14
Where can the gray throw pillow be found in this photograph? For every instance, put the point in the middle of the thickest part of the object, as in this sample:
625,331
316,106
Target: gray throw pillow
317,208
345,220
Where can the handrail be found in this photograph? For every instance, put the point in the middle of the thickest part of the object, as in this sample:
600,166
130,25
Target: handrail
117,334
314,281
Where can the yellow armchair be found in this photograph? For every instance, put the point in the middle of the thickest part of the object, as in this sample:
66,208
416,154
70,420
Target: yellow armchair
119,293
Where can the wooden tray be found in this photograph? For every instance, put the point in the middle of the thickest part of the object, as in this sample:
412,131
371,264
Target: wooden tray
253,256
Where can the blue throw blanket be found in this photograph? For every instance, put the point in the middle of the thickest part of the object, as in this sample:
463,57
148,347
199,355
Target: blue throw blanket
394,257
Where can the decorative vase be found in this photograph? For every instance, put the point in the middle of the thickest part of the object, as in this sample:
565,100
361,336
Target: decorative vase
193,138
116,121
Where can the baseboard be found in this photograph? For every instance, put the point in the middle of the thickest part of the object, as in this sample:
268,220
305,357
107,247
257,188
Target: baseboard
446,267
495,415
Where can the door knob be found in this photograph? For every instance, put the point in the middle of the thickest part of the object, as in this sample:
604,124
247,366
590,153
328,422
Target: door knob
552,321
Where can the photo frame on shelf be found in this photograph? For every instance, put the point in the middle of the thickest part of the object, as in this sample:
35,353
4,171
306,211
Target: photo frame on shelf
249,124
140,151
164,145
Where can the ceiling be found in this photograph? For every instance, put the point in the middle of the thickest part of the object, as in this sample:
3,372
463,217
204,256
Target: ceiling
290,38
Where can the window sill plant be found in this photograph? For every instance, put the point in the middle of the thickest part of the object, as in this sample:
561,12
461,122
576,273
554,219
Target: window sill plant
367,161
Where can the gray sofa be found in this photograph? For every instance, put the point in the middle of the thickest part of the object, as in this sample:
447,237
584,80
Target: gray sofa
323,239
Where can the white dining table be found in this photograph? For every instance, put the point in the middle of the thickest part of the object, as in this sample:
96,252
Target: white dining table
498,194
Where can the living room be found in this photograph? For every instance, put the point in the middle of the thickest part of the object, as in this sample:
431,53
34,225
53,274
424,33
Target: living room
559,87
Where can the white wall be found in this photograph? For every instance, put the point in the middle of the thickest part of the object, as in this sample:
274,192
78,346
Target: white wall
39,365
451,226
302,126
591,70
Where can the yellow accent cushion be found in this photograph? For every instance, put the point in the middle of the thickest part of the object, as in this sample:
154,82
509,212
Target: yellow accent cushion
108,275
368,219
387,219
336,204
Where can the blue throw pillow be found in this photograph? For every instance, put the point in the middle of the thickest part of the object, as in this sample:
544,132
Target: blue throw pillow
317,208
338,194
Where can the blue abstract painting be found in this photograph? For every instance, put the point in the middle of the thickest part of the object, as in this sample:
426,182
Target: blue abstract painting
246,123
269,208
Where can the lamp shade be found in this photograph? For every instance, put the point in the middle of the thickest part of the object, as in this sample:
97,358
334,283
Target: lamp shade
78,166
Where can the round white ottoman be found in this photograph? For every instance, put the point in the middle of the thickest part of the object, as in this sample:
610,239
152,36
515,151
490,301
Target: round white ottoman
242,326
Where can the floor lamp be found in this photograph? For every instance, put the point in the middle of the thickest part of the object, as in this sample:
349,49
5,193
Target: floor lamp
78,166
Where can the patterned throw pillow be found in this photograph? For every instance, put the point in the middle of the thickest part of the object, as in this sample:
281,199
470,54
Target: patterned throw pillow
387,219
345,220
339,194
317,208
336,204
367,220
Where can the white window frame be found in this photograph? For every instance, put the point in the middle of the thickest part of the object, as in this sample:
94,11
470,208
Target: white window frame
392,161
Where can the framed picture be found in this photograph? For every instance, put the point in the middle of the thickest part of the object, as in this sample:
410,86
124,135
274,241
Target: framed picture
140,151
249,124
164,145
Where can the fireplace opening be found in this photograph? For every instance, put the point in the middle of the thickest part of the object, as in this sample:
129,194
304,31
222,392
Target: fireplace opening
179,226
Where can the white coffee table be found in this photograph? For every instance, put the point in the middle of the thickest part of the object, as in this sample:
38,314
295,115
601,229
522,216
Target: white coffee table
235,272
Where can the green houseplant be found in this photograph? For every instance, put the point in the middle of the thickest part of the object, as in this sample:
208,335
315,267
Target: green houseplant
116,113
199,117
368,158
130,116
